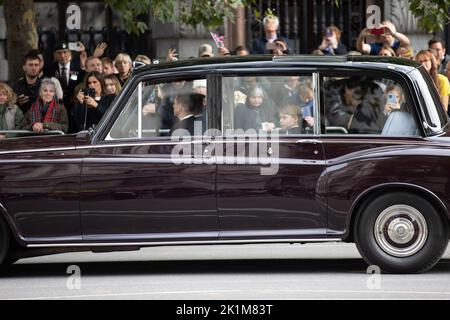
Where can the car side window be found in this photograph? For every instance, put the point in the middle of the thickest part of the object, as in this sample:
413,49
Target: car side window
163,109
367,105
258,104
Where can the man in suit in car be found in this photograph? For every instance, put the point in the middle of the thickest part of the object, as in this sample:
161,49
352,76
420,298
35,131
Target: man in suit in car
183,111
69,73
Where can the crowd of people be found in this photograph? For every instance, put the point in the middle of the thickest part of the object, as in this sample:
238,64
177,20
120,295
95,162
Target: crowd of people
70,95
74,92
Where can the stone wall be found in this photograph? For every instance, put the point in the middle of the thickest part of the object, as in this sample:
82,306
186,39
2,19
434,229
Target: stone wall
398,12
185,39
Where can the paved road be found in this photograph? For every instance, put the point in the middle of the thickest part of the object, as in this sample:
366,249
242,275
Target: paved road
267,271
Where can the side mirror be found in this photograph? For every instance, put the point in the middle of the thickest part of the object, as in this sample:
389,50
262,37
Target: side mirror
138,64
84,137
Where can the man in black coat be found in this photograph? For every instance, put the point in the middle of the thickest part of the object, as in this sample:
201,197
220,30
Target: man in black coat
183,110
69,73
27,87
271,42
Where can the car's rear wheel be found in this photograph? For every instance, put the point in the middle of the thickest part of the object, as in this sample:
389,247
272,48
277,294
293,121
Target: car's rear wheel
4,240
401,233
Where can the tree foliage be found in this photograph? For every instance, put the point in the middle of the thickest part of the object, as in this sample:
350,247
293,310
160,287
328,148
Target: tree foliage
191,12
433,15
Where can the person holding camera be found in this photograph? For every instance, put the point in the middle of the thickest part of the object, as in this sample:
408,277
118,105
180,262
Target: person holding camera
92,102
27,87
272,42
388,38
331,42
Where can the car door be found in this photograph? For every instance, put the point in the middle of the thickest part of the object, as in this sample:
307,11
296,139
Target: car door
269,185
370,127
139,183
40,188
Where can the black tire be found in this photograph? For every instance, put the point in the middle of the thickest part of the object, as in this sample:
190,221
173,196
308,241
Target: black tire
421,250
4,240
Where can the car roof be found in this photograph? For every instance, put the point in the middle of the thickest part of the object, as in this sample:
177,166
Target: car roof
255,61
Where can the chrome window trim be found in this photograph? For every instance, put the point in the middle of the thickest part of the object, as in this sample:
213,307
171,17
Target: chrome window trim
316,91
39,150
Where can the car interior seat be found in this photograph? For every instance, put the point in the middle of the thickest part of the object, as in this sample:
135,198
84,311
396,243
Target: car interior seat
400,123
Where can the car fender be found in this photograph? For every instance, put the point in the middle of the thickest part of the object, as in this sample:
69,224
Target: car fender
367,195
11,225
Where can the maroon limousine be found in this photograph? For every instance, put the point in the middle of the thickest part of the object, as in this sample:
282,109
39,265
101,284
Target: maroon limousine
243,150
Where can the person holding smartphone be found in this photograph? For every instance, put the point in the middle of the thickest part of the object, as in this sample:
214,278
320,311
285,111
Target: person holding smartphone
331,42
389,38
394,99
27,87
92,102
271,40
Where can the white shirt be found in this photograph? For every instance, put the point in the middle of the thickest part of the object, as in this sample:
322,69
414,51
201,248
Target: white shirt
187,117
272,39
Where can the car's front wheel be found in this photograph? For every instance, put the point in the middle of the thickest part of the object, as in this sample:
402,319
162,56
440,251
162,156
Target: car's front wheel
401,233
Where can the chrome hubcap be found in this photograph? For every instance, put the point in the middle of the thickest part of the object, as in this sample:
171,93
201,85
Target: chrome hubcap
401,230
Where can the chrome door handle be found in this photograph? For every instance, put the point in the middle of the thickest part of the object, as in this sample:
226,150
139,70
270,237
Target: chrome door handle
308,141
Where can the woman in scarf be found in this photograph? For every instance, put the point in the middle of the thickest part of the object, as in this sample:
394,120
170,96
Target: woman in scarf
11,116
47,113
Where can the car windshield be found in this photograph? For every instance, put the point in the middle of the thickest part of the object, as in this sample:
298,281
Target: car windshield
433,113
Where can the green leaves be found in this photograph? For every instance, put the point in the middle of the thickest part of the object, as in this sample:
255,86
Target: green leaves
433,15
191,12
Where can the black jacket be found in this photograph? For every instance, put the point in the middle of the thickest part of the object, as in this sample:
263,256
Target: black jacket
94,115
76,76
28,90
340,50
247,117
259,45
186,124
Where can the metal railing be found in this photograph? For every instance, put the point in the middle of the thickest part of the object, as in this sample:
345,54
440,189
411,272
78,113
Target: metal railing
32,133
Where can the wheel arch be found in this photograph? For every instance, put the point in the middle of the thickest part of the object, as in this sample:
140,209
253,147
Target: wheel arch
367,196
13,231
